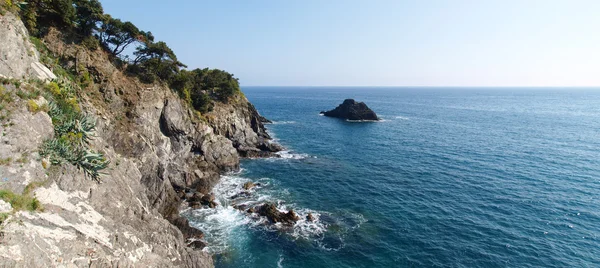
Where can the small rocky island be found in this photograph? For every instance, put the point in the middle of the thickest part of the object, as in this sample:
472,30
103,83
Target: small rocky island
352,110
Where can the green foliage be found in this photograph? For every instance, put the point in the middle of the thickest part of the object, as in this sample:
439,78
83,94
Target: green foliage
7,5
48,13
3,217
199,86
73,131
6,98
41,47
155,61
64,150
28,92
31,186
116,35
202,102
5,161
90,43
20,202
150,62
89,13
32,106
222,83
5,95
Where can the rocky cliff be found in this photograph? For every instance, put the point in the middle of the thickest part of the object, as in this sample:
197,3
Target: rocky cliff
159,149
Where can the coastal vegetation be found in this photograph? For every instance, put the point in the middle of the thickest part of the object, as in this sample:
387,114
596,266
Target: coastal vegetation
20,201
135,50
73,131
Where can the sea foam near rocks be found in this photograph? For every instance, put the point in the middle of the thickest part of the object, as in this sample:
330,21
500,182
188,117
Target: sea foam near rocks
225,224
290,155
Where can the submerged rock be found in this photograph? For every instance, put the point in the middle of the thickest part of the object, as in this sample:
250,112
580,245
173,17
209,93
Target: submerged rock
208,200
249,185
310,217
241,207
197,244
270,211
241,195
352,110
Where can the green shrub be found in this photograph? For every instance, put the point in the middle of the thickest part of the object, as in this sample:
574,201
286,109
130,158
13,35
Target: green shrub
32,106
5,95
20,202
5,161
73,131
91,43
3,217
28,91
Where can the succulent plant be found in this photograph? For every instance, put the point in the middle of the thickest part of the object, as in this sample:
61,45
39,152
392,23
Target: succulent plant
73,132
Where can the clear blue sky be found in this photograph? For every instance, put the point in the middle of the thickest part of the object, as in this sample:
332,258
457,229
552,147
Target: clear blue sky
380,42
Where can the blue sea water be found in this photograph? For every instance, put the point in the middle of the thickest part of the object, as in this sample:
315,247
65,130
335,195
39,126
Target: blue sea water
452,177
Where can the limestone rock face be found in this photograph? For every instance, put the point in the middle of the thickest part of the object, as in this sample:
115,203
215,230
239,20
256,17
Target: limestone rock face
158,148
19,59
244,126
352,110
5,207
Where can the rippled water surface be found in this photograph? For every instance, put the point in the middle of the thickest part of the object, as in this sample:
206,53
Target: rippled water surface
450,178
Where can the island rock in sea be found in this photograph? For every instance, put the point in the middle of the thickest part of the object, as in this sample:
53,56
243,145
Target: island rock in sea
352,110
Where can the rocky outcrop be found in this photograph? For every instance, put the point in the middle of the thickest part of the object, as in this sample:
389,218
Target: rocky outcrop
352,110
239,121
159,151
83,223
18,57
248,185
275,216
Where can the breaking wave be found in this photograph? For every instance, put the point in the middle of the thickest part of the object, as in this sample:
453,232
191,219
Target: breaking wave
226,225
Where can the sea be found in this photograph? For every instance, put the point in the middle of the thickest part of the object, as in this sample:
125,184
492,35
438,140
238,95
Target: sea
450,177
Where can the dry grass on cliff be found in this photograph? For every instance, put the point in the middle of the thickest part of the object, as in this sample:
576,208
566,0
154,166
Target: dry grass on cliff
20,202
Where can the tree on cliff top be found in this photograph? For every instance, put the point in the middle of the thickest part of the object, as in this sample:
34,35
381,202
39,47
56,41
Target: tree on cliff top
156,60
89,13
56,13
85,20
117,35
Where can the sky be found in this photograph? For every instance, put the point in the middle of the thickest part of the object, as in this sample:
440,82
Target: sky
494,43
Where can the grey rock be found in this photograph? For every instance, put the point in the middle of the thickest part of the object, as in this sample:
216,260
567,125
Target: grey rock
5,207
158,150
18,57
240,122
352,110
270,211
248,185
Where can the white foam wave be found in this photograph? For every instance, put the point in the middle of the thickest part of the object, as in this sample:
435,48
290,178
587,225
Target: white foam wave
308,229
289,155
224,224
218,225
283,122
402,118
280,261
365,121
